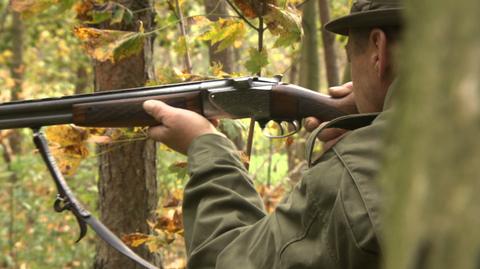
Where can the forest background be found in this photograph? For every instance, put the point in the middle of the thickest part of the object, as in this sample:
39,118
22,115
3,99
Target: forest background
57,47
51,48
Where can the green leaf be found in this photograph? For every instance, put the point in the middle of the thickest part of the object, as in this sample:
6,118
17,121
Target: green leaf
256,61
118,15
224,32
100,16
286,24
128,46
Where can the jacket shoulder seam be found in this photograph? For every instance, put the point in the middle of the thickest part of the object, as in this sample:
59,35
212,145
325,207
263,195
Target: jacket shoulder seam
353,178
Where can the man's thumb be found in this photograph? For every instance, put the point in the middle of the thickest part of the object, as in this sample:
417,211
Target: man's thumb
155,108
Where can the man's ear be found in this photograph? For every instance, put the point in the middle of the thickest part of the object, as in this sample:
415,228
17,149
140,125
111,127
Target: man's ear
379,55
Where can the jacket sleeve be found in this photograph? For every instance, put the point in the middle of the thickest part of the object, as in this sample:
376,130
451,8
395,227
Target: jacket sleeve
226,225
220,200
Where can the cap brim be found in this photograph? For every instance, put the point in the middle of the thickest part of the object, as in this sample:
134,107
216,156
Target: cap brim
384,17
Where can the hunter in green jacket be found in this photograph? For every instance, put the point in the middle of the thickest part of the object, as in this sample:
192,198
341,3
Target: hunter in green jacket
331,218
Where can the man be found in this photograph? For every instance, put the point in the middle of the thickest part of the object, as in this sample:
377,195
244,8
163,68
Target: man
331,218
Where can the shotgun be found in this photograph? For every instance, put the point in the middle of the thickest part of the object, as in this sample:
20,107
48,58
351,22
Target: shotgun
263,99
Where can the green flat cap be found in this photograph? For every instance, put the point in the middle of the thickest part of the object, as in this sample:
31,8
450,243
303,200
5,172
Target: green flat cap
369,13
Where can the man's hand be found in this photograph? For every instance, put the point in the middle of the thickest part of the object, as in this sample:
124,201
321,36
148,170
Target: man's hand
330,136
177,127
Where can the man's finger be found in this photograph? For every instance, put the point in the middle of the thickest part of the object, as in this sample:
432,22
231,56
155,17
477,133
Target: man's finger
330,134
311,124
157,132
341,91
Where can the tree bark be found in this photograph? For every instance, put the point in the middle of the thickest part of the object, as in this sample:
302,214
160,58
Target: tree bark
81,83
431,171
216,9
127,172
309,67
330,53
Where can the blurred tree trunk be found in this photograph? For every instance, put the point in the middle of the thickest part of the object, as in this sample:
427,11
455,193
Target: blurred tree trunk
216,9
127,181
82,80
330,53
17,71
309,77
431,172
12,144
309,62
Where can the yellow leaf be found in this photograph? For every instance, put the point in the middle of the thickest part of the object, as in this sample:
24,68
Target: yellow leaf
31,7
135,239
224,32
111,45
217,70
66,135
68,145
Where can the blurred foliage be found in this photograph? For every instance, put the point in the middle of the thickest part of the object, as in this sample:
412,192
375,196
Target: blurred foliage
60,39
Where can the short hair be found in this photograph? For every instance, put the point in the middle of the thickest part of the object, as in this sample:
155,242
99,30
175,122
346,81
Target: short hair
359,36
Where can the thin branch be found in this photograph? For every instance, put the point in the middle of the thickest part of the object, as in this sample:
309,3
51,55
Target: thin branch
241,15
188,62
260,30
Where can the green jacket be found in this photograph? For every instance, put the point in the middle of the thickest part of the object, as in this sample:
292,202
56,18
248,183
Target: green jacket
329,220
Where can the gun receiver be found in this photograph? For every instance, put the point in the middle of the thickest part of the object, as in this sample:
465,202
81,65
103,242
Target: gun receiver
263,99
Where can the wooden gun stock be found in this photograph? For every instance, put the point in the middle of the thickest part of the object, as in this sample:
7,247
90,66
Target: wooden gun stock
289,100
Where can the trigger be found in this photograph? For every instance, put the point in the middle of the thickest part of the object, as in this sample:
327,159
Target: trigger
297,124
282,130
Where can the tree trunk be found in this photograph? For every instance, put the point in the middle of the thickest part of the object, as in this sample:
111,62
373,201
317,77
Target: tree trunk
330,53
309,67
17,70
215,9
127,180
431,172
81,83
308,76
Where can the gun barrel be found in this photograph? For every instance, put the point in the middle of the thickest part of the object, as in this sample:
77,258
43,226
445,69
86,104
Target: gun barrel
52,111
